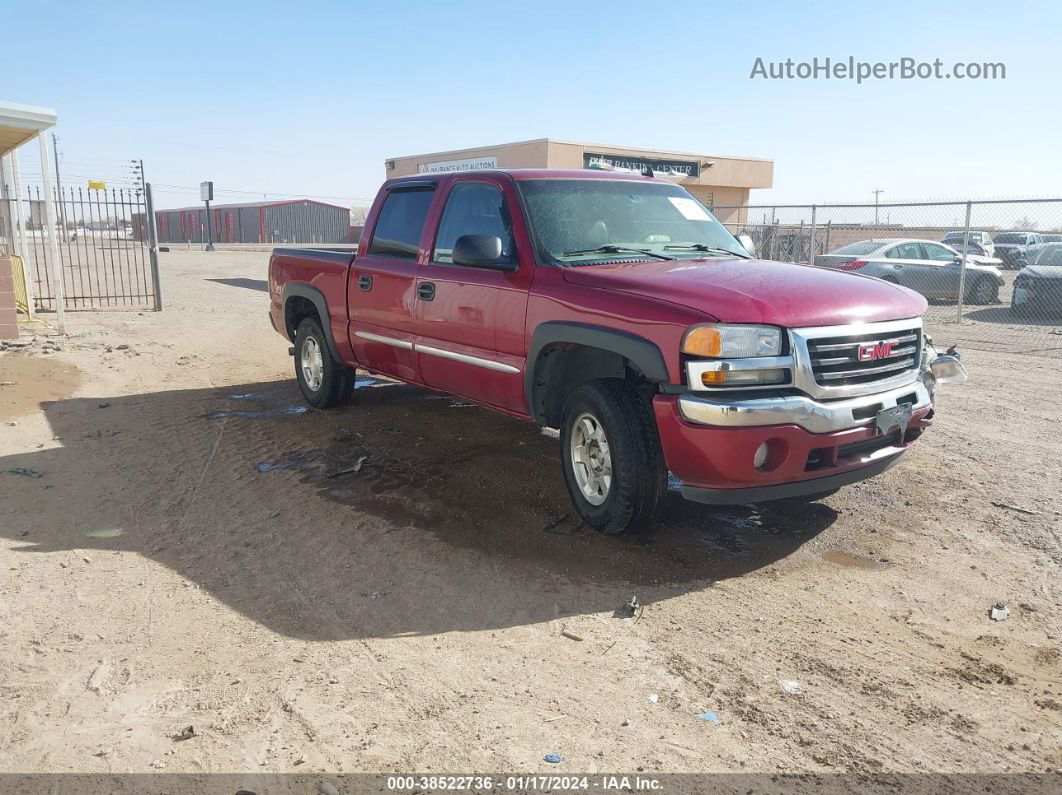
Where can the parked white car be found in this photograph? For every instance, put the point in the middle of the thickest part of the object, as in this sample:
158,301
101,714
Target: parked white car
925,266
979,236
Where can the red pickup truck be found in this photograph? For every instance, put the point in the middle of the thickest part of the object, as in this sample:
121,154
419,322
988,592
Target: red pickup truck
617,309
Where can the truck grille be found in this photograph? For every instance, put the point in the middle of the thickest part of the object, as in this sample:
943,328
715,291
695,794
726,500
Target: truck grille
864,358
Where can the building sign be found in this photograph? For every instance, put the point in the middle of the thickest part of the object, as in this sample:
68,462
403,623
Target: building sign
446,166
690,168
97,184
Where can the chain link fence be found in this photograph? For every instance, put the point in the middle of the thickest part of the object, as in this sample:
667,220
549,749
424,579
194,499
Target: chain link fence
991,270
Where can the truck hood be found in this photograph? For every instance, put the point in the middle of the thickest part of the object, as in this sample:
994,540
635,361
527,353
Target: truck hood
757,291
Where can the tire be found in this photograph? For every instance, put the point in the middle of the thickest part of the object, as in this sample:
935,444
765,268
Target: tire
612,414
984,291
324,382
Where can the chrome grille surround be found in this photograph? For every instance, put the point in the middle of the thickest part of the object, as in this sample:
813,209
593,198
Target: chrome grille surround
811,373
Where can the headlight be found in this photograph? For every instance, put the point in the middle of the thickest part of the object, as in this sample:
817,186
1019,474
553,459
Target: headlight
732,341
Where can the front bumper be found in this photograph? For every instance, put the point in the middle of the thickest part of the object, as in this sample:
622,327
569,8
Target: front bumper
812,415
715,463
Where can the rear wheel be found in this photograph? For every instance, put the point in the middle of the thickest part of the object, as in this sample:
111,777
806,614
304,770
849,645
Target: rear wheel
611,457
324,382
983,291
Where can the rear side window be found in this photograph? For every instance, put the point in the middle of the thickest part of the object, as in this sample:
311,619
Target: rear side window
397,232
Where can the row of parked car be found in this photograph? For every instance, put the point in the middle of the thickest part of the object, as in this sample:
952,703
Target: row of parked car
1012,249
935,269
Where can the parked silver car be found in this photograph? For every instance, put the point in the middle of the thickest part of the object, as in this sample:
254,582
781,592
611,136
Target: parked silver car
925,266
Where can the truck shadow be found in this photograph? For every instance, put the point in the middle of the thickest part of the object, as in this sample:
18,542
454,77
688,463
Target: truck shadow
407,512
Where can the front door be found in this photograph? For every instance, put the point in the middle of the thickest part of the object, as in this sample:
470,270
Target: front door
380,288
470,320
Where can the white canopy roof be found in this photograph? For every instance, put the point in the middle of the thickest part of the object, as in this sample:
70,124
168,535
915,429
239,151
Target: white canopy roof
20,123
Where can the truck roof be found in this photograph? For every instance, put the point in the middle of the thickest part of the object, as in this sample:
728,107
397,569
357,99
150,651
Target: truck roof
521,174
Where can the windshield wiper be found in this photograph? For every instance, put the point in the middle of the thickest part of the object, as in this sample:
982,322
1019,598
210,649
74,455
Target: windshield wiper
706,247
617,250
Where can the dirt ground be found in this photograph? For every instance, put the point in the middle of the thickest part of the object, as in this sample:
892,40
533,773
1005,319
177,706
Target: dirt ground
198,551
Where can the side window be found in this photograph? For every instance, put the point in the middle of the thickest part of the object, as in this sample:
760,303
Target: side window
905,251
937,252
397,231
474,208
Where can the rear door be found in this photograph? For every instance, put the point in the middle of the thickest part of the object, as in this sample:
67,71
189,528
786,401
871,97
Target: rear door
380,296
470,320
902,262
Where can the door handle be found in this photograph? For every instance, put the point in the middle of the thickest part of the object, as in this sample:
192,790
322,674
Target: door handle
426,291
365,282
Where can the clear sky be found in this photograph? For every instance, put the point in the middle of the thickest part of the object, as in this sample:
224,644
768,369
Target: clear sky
311,97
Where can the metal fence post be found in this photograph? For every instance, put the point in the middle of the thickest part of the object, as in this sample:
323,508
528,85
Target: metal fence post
153,245
962,267
811,256
774,233
826,248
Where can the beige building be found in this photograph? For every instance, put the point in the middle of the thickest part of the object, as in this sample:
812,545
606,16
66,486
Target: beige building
720,182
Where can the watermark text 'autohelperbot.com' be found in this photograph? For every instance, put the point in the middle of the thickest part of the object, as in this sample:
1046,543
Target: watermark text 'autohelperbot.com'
864,71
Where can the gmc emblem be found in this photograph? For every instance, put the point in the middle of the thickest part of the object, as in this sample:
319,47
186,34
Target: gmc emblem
870,351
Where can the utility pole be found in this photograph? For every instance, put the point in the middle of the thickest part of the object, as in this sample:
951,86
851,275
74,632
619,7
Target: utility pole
876,193
206,193
59,185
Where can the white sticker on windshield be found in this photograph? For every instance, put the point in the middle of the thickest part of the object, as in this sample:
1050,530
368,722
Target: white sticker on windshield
689,208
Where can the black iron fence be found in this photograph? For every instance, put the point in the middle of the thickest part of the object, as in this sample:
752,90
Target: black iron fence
101,262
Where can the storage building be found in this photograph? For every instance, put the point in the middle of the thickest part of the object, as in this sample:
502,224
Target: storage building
299,221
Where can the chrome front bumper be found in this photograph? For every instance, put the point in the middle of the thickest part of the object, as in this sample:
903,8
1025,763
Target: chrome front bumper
811,415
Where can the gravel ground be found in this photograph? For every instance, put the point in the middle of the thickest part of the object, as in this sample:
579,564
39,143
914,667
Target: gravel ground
194,553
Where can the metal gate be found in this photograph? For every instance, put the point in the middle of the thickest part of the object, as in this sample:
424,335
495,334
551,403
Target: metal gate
102,249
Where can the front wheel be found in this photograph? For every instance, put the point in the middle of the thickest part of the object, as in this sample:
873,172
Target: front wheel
324,382
611,457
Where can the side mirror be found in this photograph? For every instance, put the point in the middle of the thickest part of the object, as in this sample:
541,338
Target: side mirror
480,251
746,243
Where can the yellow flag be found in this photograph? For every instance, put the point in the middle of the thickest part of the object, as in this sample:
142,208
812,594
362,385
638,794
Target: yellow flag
97,184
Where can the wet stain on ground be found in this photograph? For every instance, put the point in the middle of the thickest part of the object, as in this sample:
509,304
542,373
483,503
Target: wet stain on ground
479,480
850,560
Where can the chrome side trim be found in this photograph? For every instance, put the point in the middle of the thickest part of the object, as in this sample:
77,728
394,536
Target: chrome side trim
403,344
811,415
488,364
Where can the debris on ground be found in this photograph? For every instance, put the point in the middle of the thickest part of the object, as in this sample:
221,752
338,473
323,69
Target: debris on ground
1016,508
711,717
999,612
98,676
187,733
104,405
300,761
653,698
327,788
349,470
570,635
791,686
553,759
630,607
26,472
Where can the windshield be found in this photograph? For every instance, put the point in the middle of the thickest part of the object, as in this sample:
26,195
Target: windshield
974,236
1012,238
857,249
583,221
1049,255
